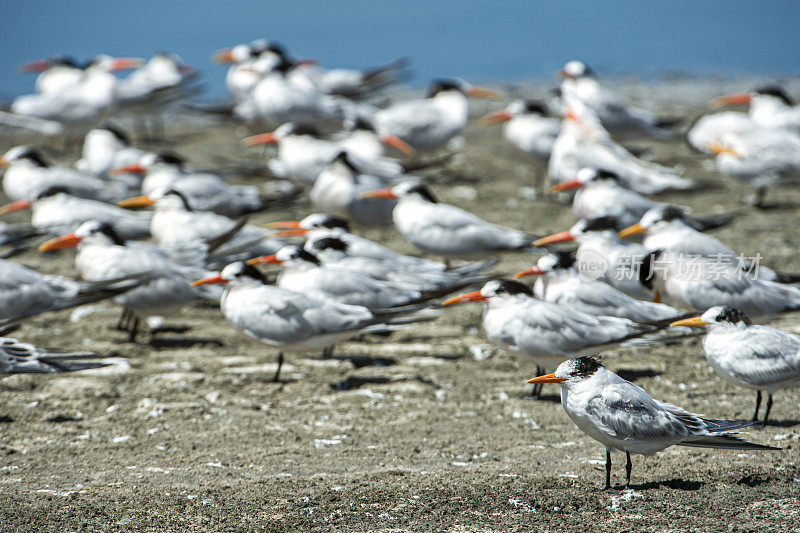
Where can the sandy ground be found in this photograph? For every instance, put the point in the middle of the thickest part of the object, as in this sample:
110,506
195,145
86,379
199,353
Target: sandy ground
406,433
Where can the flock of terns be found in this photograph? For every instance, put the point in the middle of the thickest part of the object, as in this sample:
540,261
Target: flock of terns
356,155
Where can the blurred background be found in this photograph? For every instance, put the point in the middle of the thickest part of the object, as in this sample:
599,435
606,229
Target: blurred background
513,40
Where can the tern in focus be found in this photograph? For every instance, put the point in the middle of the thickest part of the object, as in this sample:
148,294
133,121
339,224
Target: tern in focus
623,417
747,355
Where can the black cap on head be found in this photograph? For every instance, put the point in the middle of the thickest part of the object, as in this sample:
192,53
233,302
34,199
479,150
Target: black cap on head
118,133
183,197
732,315
603,223
108,230
511,287
52,191
424,191
536,107
34,155
564,259
439,86
344,159
330,243
777,91
171,158
585,366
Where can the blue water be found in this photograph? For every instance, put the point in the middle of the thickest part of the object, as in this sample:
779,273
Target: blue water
512,40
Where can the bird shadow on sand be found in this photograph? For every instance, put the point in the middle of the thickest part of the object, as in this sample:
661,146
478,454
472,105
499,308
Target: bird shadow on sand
544,398
360,361
783,423
5,419
355,382
632,374
675,484
169,343
777,206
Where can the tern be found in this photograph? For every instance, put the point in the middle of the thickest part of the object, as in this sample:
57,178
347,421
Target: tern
548,332
288,320
527,128
560,282
623,417
616,116
444,229
429,123
752,356
770,107
22,358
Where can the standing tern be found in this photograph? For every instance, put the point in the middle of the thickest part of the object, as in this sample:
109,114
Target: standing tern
429,123
747,355
547,332
623,417
527,128
444,229
560,282
28,174
616,116
770,107
103,255
667,228
287,320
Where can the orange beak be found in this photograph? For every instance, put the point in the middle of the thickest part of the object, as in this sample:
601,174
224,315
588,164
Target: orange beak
4,162
731,99
718,149
299,232
694,322
15,206
34,66
571,115
284,224
213,280
126,63
265,260
564,74
532,271
464,298
137,201
134,168
555,238
307,61
262,138
483,92
547,378
495,118
397,143
566,185
65,241
379,193
224,56
635,229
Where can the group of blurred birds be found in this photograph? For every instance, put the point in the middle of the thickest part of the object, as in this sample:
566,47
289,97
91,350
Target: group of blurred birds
360,157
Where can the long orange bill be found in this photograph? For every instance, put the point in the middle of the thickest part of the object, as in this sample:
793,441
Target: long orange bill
265,260
564,74
15,206
464,298
126,63
495,118
65,241
397,143
213,280
299,232
731,99
34,66
694,322
718,148
261,138
137,201
283,224
634,229
532,271
379,193
307,61
555,238
547,378
224,56
565,185
134,168
483,92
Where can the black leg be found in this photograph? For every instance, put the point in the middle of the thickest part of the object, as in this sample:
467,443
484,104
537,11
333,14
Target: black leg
124,321
628,468
276,378
608,470
537,389
769,407
447,263
134,329
327,352
758,405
